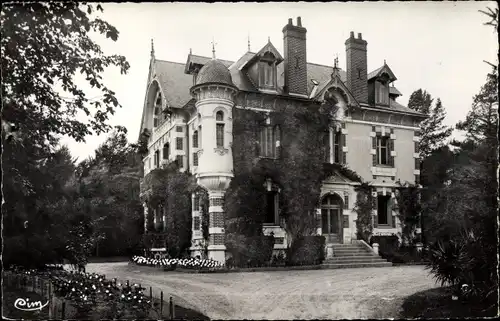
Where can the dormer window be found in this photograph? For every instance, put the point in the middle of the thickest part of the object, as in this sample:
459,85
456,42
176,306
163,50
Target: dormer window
267,71
382,93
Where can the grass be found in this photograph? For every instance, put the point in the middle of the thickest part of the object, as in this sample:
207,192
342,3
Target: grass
438,303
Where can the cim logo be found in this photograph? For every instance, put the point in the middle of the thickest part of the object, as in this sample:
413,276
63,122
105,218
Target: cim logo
26,305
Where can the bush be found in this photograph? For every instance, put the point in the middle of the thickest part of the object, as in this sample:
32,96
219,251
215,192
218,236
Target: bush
254,251
465,260
388,245
307,250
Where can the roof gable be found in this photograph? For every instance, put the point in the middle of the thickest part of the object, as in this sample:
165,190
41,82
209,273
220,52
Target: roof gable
268,48
336,82
380,71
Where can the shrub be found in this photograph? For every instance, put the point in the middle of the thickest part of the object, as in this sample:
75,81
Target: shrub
464,260
253,251
307,250
388,245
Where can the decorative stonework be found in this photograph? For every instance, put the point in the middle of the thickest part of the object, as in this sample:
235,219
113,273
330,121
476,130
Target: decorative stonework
221,151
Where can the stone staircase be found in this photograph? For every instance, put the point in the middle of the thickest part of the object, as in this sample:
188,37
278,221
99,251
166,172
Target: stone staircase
353,255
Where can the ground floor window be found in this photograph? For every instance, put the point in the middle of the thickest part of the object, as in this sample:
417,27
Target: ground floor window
383,209
271,208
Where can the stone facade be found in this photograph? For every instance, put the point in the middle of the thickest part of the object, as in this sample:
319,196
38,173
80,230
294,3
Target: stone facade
194,103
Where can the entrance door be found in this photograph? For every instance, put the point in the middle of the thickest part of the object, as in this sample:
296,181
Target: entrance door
330,218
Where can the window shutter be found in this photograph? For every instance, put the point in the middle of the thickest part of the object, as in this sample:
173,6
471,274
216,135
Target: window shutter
326,142
391,148
374,146
375,207
258,138
344,143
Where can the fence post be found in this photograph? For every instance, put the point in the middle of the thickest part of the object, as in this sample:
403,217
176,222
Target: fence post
151,295
172,308
63,312
127,284
49,297
161,305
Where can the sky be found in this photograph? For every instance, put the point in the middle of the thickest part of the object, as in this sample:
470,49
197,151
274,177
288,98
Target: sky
436,46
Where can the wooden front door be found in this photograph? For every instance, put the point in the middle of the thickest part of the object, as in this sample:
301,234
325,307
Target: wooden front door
330,219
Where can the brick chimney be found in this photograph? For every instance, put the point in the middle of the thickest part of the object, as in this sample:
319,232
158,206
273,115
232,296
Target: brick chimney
357,67
294,38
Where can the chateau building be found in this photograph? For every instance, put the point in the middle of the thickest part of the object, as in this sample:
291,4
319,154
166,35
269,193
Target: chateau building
188,111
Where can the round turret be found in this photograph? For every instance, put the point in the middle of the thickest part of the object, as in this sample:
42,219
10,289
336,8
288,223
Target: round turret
214,72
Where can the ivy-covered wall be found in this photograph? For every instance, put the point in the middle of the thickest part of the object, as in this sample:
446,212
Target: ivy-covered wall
299,170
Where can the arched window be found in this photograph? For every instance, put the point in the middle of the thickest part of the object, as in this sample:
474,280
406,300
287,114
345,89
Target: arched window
195,139
219,131
166,150
157,109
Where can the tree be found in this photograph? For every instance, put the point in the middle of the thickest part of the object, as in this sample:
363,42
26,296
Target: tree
44,46
433,132
421,101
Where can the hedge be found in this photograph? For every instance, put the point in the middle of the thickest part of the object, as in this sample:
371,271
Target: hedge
307,250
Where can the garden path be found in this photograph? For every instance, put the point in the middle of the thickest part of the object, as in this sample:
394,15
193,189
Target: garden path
315,294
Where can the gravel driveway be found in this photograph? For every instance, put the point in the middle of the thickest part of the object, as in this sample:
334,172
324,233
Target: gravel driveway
316,294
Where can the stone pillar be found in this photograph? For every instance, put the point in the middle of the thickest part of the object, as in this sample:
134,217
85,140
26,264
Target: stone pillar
329,251
375,248
197,234
216,246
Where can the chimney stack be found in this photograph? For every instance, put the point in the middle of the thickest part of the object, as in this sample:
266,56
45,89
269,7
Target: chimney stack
357,66
295,55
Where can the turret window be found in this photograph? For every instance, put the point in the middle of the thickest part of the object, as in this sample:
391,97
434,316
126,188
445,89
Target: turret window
195,139
219,130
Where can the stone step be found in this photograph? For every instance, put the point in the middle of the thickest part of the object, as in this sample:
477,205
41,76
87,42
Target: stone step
349,258
348,247
355,261
343,254
349,251
354,265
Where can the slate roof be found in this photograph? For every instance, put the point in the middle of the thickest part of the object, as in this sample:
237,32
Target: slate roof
374,73
214,71
394,91
176,83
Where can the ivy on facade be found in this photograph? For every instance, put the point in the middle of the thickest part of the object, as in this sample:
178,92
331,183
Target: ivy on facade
409,209
298,171
364,208
169,191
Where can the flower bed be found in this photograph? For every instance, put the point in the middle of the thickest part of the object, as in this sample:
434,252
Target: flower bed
172,264
92,296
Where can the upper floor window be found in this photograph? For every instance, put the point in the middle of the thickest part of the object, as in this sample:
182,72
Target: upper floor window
180,161
383,94
267,71
195,139
383,150
157,110
178,143
334,146
270,137
219,131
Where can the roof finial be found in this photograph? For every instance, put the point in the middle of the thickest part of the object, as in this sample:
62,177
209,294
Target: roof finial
268,39
213,48
190,51
152,48
336,61
384,62
249,42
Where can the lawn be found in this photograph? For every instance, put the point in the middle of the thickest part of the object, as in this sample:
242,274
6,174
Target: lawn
313,294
